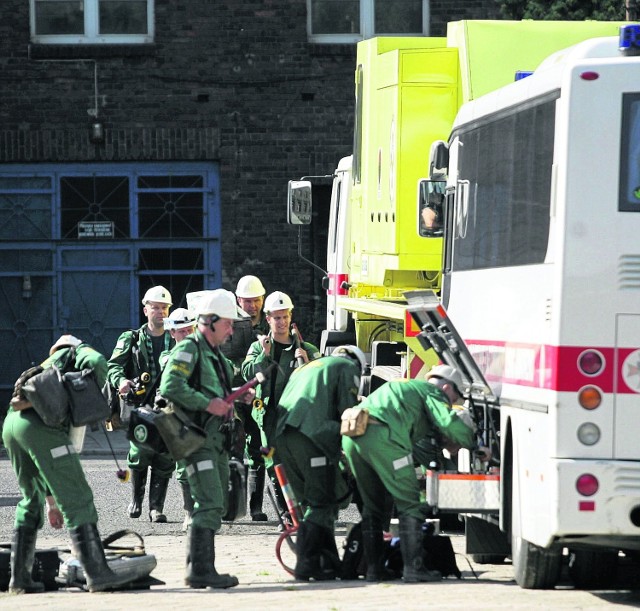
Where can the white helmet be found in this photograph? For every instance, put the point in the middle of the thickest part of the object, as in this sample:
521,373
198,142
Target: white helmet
449,374
219,302
180,318
278,301
65,341
158,294
354,354
250,287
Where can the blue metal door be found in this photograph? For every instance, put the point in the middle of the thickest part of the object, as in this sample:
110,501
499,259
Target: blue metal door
80,244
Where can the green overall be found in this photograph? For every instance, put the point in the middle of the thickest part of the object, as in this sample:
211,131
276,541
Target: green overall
44,459
257,361
307,437
382,459
123,366
207,469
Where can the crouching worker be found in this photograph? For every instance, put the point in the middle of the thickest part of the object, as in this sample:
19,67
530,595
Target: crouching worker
307,441
46,463
401,413
197,377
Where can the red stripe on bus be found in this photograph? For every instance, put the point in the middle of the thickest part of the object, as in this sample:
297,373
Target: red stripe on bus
335,284
554,367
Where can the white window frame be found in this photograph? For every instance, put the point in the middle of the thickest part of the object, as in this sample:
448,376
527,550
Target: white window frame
91,36
367,22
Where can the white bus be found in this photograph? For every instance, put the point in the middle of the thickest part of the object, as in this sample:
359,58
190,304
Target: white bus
542,280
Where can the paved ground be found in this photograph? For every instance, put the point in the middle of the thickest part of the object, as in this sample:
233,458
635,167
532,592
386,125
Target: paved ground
247,550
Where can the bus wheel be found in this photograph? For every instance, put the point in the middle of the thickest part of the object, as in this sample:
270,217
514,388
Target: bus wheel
535,567
593,570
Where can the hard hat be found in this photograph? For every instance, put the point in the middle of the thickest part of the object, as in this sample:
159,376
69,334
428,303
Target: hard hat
278,301
354,354
158,294
449,374
180,318
249,287
65,341
219,302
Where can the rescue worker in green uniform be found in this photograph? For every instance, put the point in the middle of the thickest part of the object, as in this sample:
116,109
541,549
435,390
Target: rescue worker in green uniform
196,377
281,346
137,352
46,463
180,323
307,441
402,413
250,294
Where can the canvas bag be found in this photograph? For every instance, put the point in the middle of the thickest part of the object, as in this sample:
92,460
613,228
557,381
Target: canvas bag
353,421
47,394
181,436
86,402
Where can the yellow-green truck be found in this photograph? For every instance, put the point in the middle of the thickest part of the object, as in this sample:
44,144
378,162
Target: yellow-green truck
407,93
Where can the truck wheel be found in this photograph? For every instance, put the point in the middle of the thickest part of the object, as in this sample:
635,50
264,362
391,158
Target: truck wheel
535,567
593,570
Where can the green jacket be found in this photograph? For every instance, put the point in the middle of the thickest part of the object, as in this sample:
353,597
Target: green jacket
315,398
257,361
123,364
190,377
414,409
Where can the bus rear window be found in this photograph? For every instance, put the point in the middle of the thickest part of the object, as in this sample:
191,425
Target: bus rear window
629,196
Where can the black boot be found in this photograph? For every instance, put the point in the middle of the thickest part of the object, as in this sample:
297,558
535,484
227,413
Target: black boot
311,558
157,495
201,558
138,484
373,543
255,485
412,552
87,548
187,504
23,549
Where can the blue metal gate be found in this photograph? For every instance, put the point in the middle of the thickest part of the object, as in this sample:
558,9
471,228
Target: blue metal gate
80,244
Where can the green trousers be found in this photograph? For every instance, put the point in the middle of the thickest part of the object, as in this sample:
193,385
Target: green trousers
207,471
141,459
315,478
381,468
43,458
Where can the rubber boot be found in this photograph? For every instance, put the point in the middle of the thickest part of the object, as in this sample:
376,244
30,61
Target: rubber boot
281,503
157,495
201,557
255,486
412,552
311,562
374,551
138,484
87,548
187,504
23,550
330,550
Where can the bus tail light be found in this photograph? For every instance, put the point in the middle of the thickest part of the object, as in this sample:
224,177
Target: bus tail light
587,484
590,397
591,362
588,434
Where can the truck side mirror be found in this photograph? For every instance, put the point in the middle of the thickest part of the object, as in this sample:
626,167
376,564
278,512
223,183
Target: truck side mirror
299,205
431,207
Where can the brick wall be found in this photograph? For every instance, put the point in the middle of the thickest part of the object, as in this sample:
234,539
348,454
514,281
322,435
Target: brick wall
232,81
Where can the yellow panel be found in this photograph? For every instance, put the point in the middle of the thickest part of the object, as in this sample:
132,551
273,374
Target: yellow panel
492,51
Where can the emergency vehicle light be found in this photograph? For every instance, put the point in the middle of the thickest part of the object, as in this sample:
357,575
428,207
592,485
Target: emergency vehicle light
630,39
520,74
587,484
588,434
590,397
591,362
